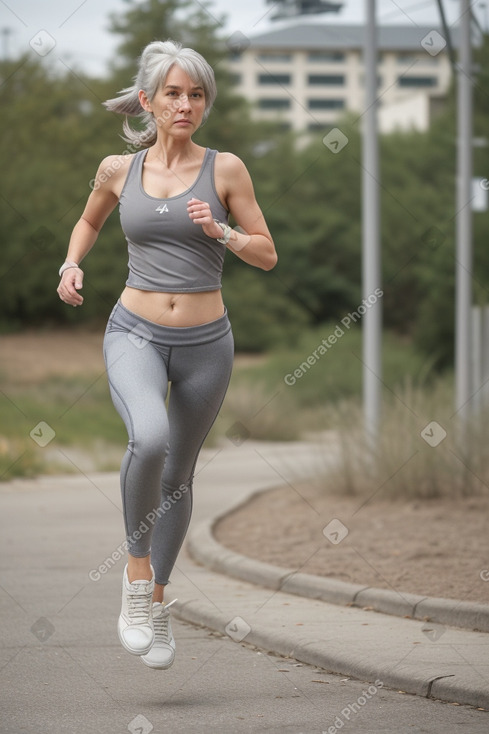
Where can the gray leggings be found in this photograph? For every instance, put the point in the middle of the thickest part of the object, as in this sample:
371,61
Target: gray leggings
157,470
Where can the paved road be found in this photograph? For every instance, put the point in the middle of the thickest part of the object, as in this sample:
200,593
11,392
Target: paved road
63,669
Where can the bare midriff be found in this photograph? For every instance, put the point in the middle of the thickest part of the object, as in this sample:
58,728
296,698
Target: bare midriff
174,309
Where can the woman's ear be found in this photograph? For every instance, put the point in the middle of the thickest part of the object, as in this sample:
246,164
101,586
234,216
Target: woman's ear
144,101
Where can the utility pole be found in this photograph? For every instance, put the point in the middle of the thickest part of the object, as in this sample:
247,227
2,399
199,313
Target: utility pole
463,274
6,32
371,260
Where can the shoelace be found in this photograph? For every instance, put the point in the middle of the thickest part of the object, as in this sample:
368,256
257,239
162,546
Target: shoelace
161,624
138,605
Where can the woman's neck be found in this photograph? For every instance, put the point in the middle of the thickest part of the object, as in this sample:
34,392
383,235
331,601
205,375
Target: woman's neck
171,152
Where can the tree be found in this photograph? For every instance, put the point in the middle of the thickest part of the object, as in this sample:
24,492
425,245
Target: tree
51,136
54,132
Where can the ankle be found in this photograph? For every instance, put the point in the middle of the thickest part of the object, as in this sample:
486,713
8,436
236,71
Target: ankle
158,593
139,569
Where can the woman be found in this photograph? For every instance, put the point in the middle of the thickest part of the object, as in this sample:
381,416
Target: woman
170,323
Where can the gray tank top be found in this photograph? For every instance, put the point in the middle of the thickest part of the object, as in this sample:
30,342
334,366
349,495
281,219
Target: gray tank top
167,251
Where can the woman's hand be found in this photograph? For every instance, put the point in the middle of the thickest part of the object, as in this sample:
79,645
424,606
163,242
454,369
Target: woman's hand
70,283
200,213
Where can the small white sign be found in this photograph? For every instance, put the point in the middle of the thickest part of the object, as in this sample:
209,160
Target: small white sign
480,187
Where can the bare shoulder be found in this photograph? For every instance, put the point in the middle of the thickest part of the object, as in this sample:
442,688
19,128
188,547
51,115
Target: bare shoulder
231,176
229,164
112,171
111,164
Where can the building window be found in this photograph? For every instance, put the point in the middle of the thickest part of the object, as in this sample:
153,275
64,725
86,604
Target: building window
274,78
318,127
275,57
331,57
235,79
429,60
406,59
417,81
332,80
326,104
235,56
274,104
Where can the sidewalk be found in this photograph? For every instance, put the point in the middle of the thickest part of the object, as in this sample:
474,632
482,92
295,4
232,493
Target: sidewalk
64,669
428,659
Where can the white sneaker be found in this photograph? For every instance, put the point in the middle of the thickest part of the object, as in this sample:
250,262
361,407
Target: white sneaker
162,654
135,625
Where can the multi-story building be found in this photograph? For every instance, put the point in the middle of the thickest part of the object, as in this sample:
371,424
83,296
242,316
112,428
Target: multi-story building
305,76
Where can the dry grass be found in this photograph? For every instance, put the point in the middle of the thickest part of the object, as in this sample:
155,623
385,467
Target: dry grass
422,450
46,375
58,377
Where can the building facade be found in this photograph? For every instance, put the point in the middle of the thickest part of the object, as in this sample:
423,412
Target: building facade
306,76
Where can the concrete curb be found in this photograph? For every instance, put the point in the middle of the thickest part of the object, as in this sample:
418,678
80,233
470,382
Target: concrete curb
319,653
435,678
204,548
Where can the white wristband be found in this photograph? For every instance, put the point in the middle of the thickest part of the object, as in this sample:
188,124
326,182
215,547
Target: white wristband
66,266
226,232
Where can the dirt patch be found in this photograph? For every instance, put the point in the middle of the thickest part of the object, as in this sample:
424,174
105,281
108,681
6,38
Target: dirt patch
32,357
432,548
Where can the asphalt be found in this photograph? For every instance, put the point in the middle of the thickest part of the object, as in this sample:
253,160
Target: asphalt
251,655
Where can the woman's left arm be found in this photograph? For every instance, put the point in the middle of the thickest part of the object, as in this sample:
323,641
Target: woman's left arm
254,244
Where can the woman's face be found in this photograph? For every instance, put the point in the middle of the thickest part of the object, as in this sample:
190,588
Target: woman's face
179,104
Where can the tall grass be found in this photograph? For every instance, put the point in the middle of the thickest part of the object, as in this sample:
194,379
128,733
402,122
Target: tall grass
335,375
422,451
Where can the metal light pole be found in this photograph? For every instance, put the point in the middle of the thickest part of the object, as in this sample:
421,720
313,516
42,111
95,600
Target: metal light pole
463,275
6,32
371,261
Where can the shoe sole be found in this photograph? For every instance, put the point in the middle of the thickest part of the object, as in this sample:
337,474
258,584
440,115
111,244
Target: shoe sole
132,650
158,667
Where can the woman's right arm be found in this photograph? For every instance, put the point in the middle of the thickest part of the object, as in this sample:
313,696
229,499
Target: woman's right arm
101,202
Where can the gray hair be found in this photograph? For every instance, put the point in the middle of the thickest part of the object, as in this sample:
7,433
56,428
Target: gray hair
155,62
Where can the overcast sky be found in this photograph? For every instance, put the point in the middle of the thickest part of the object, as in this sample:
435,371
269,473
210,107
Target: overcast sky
75,31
